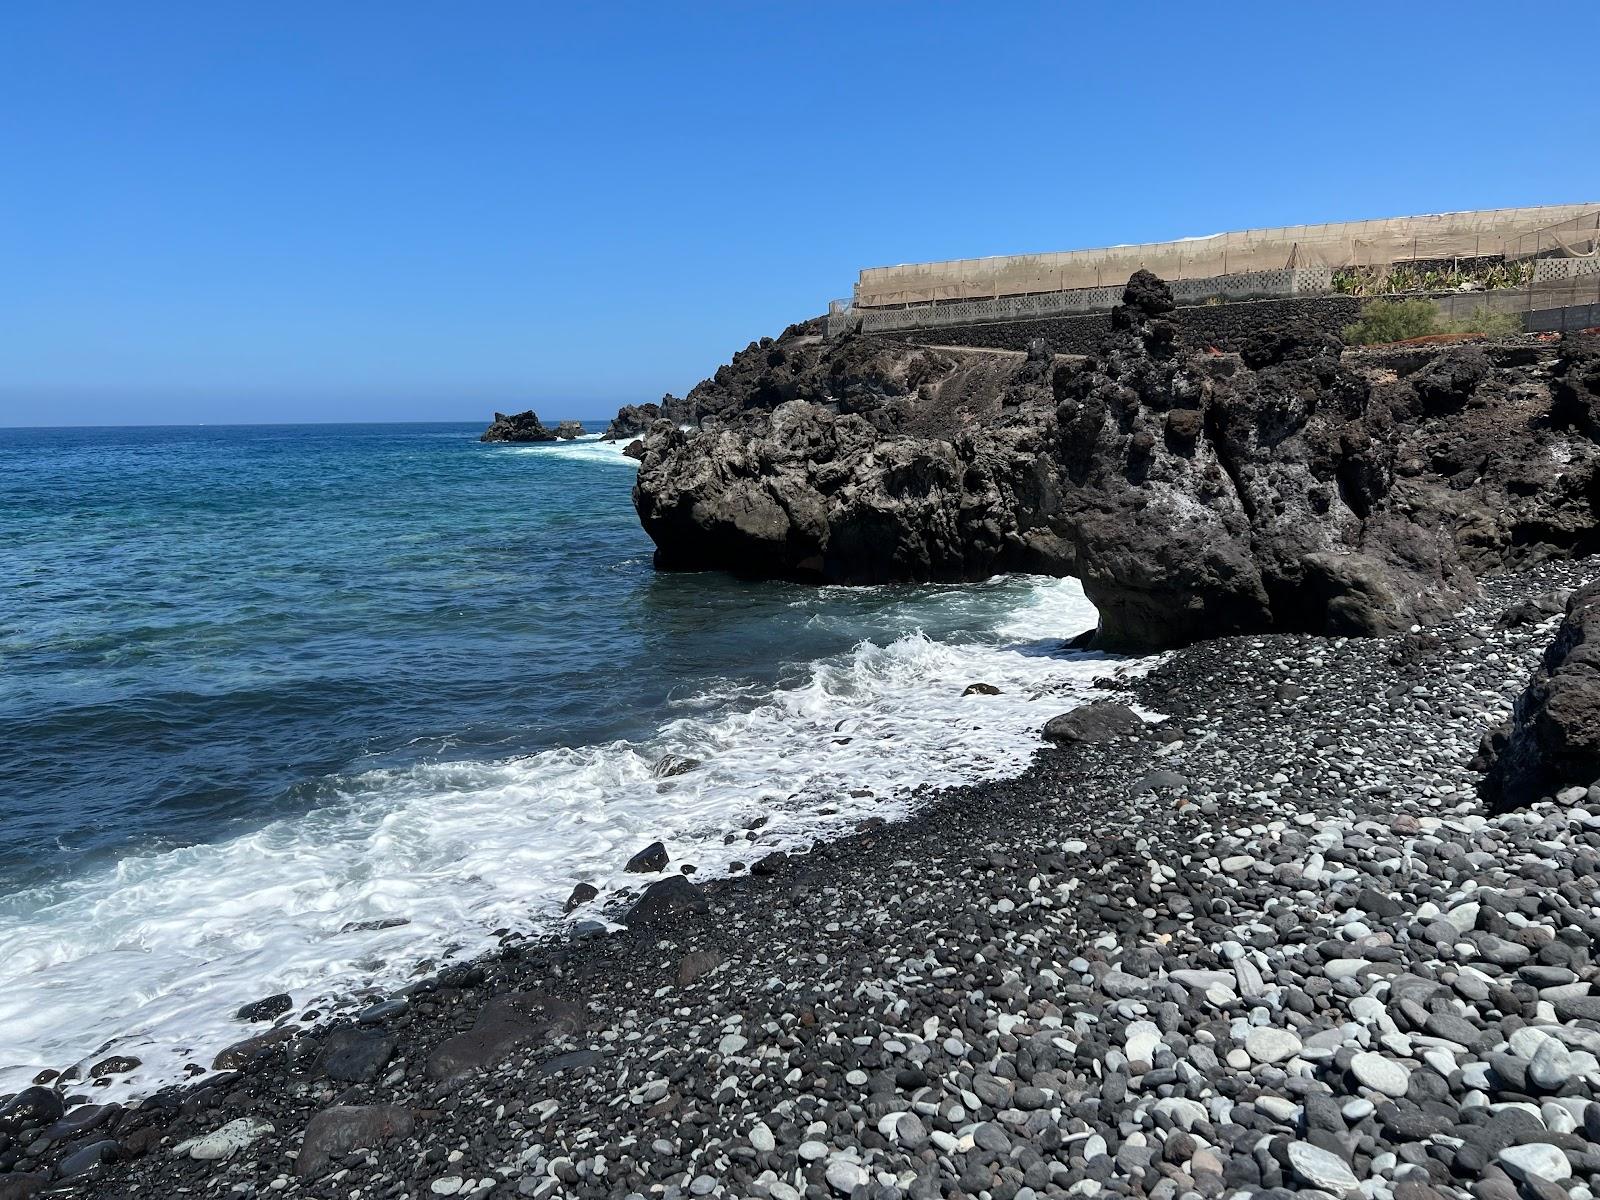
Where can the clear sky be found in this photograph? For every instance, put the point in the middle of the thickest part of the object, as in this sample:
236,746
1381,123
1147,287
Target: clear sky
226,211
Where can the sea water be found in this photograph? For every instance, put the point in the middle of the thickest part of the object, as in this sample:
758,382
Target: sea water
295,709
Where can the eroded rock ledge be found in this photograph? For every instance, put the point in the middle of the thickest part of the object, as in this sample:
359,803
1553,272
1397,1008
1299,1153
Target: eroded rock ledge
1293,486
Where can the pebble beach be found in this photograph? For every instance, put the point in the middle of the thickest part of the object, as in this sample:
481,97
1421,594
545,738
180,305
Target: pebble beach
1270,942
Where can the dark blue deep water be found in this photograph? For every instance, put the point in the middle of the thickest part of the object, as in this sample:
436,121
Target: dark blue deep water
201,623
287,708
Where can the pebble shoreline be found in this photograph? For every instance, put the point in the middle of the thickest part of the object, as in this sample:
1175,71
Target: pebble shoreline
1275,944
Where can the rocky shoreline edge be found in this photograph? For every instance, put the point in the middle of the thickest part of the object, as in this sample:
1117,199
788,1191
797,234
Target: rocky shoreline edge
1277,943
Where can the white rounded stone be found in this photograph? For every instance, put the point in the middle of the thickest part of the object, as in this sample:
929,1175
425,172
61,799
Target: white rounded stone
1142,1038
1269,1044
1322,1169
1536,1160
1381,1074
845,1176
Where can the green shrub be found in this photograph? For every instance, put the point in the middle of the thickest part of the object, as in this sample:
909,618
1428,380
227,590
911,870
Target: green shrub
1396,320
1393,321
1490,324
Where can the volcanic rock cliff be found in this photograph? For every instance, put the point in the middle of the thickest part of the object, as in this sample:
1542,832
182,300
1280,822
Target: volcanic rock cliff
1292,486
1552,739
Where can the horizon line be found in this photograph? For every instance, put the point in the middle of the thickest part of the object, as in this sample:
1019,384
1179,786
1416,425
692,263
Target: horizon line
260,424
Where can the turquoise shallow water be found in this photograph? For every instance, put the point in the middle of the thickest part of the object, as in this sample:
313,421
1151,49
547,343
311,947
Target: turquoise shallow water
202,623
264,687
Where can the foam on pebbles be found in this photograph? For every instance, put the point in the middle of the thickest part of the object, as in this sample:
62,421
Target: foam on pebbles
225,1142
1317,964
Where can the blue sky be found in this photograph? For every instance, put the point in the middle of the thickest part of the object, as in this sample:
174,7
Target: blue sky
405,211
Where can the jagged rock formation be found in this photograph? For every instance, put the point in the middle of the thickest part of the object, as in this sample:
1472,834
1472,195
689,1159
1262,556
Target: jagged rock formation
526,427
632,420
1552,740
1290,486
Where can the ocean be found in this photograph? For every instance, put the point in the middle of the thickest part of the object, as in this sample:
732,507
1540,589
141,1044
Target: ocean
299,708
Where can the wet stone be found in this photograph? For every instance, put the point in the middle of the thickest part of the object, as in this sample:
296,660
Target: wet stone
266,1009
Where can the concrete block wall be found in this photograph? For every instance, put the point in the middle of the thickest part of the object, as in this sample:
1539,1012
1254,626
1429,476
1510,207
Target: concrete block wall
1547,269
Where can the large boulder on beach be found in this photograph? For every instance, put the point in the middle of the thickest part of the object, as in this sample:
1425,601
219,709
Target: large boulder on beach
354,1055
252,1049
31,1106
1552,739
506,1023
1287,484
648,861
663,899
1102,721
266,1009
339,1130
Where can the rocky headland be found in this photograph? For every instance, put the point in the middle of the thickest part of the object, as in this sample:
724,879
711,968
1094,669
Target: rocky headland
1295,485
635,420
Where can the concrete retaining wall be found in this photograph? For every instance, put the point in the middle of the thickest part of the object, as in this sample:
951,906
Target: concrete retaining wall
1246,285
1221,325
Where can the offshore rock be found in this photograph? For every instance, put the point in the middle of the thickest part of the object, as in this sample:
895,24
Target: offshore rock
1292,486
520,427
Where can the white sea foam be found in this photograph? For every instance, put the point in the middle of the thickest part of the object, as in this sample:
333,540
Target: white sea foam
152,959
588,448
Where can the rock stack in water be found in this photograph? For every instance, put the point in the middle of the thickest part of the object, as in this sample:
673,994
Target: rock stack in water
526,427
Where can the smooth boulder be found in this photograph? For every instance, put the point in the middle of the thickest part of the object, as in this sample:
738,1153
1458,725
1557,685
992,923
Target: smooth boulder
1101,721
337,1131
664,898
